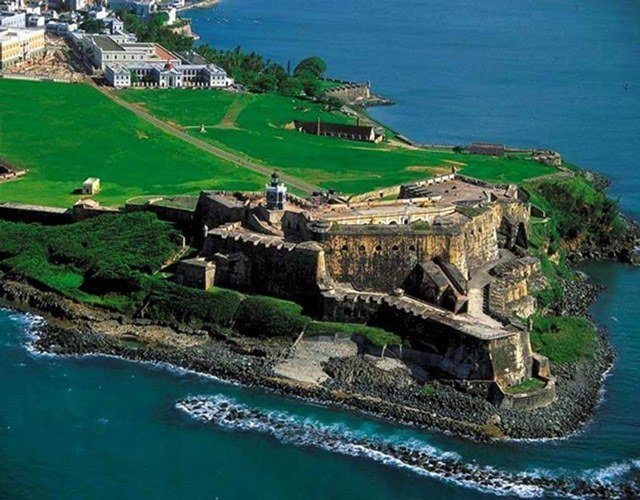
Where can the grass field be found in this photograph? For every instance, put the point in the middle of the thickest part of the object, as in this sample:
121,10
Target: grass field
256,125
64,133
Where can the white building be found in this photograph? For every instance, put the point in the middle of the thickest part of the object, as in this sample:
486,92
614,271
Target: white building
19,45
33,9
77,4
167,75
91,186
114,25
13,19
35,21
106,50
99,13
141,8
173,15
60,28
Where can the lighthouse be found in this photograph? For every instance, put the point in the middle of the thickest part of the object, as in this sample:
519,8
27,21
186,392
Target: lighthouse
276,193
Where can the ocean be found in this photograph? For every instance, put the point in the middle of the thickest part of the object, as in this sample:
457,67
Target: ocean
561,74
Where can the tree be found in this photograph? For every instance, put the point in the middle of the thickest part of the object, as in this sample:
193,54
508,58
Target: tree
311,65
291,86
92,25
311,85
159,19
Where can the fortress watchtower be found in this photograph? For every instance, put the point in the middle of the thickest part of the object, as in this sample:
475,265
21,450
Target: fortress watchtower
276,193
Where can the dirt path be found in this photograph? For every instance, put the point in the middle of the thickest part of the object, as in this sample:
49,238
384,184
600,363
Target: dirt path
209,148
230,117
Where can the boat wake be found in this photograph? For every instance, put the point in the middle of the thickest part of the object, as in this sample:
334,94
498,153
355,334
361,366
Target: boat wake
412,455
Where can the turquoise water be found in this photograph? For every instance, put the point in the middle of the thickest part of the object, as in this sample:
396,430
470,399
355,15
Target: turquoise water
561,74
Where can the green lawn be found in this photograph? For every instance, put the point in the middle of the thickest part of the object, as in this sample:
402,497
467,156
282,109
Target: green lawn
64,133
563,339
528,385
256,125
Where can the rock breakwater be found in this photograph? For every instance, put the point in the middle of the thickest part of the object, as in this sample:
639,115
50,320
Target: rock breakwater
418,457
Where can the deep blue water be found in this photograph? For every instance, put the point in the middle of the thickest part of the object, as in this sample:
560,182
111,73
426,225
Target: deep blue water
559,74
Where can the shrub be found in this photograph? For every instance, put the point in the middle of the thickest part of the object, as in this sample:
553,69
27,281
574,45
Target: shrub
99,256
260,316
173,303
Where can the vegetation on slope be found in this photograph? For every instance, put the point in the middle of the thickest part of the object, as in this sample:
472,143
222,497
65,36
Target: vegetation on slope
563,339
65,133
262,75
578,216
578,209
155,30
97,261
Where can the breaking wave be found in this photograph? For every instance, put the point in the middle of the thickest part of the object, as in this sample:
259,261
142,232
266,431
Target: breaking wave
413,455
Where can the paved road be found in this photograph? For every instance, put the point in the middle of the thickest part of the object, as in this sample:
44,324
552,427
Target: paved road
209,148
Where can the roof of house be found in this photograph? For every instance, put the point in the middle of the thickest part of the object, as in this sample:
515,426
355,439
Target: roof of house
107,43
336,128
163,53
486,145
191,57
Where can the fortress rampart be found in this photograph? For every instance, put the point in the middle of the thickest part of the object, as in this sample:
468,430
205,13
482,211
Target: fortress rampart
462,349
444,241
380,257
262,264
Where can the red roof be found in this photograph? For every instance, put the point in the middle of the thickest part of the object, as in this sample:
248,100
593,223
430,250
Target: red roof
162,53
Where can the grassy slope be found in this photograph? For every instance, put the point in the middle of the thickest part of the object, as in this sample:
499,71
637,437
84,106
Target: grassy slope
255,125
563,339
64,133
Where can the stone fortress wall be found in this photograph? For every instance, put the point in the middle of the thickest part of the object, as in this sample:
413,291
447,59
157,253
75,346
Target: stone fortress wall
265,265
353,261
439,340
457,247
379,257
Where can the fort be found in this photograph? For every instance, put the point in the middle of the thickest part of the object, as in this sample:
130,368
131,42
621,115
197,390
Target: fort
445,266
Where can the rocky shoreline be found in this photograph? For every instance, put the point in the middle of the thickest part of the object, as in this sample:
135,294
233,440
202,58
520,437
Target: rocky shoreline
356,382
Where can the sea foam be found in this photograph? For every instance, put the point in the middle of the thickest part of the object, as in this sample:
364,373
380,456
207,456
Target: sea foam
413,455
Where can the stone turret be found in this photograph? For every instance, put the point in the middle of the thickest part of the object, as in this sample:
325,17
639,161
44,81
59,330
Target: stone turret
276,193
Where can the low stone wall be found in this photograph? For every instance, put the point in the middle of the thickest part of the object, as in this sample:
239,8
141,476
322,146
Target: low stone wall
52,216
524,401
183,217
18,212
81,212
